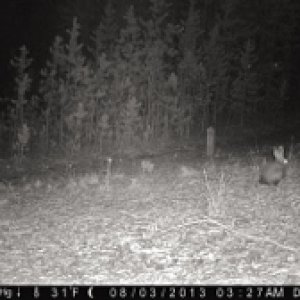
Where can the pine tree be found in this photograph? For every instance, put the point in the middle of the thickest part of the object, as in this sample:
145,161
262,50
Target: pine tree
86,12
23,81
245,88
21,133
67,80
49,90
127,76
191,83
159,54
216,63
105,35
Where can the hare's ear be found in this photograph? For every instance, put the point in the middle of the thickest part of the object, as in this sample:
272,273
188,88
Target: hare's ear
278,153
281,149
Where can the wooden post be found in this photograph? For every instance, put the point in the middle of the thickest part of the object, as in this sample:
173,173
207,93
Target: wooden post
210,142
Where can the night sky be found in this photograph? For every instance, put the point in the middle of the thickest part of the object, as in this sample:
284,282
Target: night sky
35,23
29,22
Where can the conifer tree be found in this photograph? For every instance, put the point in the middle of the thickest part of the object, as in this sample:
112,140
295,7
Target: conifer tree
191,84
86,12
67,80
23,81
159,53
127,76
49,90
216,64
21,132
105,35
245,87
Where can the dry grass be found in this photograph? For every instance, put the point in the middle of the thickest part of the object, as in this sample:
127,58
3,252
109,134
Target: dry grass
165,221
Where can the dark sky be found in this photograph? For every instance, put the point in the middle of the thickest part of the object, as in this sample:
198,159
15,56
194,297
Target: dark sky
28,22
35,23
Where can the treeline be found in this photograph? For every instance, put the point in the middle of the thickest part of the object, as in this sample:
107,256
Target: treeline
148,80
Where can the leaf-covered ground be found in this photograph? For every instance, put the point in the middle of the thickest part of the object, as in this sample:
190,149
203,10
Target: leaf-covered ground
172,219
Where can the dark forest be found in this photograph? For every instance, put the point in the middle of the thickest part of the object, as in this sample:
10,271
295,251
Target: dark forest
99,73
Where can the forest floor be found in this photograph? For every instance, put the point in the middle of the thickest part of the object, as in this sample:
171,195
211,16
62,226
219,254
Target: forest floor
165,219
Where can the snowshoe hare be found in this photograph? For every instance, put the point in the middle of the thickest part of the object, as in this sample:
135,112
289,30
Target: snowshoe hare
272,172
